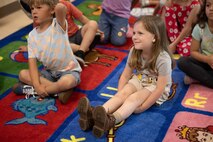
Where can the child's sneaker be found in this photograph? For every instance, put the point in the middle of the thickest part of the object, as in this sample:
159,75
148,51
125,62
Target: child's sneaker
22,89
103,121
85,111
64,96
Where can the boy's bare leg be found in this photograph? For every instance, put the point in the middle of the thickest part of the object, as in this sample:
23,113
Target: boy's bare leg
66,82
88,33
74,47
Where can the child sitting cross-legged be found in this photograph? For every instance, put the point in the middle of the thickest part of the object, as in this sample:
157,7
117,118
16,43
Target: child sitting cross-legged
49,44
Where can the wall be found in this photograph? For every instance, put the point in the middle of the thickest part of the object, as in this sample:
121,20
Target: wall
6,2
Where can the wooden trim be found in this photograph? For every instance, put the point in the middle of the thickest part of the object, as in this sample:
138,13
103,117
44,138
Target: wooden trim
10,8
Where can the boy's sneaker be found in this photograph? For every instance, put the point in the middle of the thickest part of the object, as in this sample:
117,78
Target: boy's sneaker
95,41
23,89
85,112
79,55
64,96
103,121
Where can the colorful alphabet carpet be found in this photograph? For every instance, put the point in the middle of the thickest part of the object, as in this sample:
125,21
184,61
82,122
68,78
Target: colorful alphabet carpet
186,117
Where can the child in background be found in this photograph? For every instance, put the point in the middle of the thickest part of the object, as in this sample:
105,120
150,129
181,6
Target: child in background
49,44
113,21
83,39
146,79
180,17
199,66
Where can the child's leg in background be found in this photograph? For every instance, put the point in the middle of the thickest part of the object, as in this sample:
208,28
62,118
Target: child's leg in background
199,71
104,26
119,30
88,32
115,102
171,24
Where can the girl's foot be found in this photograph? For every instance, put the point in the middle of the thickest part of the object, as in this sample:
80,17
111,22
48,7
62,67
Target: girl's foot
188,80
85,111
103,121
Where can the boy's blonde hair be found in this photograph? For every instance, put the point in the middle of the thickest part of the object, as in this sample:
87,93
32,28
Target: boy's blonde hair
51,3
156,26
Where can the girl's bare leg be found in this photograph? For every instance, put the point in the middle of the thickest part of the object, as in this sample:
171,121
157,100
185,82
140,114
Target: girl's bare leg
115,102
130,104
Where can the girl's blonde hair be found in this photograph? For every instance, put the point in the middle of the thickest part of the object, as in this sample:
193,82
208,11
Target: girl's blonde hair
51,3
156,26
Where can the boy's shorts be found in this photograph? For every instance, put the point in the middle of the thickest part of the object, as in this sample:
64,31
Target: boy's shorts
76,38
56,75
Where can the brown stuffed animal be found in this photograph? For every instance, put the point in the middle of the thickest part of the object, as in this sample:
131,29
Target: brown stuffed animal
93,56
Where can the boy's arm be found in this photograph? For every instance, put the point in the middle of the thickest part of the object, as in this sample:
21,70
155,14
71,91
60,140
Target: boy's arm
35,78
83,19
60,13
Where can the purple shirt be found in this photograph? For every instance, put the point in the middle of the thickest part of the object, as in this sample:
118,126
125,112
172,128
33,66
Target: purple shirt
119,8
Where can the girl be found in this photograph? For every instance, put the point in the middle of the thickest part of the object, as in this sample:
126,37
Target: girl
180,17
199,67
49,44
146,79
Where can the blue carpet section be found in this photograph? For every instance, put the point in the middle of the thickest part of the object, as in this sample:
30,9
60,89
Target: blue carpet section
138,127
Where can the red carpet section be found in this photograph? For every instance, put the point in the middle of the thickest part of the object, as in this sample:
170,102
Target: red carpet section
31,120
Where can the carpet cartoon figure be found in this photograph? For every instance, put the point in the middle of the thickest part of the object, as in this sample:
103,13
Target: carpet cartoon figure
97,8
31,108
19,56
195,134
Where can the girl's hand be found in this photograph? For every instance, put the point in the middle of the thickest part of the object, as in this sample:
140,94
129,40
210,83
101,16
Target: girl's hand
172,47
41,91
210,61
138,110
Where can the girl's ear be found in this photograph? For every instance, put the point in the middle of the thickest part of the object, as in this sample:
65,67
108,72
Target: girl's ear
153,40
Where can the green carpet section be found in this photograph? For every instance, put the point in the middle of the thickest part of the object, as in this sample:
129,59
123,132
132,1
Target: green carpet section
6,83
91,9
7,64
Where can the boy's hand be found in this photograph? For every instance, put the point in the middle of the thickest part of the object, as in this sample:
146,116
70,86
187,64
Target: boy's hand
101,33
71,66
41,91
22,48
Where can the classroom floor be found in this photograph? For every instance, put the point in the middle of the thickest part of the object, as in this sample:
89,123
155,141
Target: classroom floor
13,22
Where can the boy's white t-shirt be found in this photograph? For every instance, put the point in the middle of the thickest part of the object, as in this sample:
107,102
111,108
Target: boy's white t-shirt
52,48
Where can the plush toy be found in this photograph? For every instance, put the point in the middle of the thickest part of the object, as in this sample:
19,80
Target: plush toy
93,58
